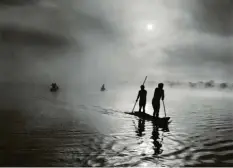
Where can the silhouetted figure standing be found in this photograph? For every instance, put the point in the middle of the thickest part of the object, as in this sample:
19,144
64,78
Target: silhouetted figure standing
158,94
142,101
54,87
103,88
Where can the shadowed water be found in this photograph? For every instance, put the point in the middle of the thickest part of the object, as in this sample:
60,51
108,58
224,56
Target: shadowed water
89,128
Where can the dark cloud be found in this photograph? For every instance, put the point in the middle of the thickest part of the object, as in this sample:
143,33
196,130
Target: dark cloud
17,2
111,35
195,55
213,16
198,60
56,40
13,35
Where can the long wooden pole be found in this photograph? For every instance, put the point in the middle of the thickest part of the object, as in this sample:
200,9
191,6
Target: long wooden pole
136,99
164,109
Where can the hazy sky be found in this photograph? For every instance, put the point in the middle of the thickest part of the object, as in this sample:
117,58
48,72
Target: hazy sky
97,41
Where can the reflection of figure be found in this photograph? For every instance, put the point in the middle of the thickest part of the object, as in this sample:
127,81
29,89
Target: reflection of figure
142,101
141,127
155,137
158,94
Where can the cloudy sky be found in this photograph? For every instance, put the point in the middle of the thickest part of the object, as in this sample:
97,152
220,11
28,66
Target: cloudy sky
97,41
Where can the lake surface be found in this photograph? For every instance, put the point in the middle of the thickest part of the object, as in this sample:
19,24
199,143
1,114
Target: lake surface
89,128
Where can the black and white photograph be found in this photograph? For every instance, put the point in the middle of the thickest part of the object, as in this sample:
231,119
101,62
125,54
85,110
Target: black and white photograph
116,83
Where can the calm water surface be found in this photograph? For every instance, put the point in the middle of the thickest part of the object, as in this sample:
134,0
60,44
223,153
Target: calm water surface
89,128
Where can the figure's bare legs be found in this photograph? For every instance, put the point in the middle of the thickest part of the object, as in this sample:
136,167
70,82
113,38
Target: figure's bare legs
140,107
156,108
144,110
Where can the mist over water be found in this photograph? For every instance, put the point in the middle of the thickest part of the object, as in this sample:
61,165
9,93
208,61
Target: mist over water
73,128
57,41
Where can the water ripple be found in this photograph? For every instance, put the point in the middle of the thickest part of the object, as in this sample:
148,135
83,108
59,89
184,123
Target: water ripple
52,132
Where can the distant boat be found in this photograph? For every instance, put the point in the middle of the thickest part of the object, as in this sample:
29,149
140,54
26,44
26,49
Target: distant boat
54,87
102,88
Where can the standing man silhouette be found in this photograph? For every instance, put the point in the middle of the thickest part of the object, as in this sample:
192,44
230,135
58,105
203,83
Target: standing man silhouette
142,101
158,94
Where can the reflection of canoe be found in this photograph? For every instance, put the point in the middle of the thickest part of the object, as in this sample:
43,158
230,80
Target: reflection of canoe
102,89
164,120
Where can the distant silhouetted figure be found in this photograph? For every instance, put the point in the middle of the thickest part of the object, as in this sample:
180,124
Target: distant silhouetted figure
54,87
103,88
142,101
158,94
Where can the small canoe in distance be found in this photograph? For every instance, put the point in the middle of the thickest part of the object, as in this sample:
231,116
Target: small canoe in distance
103,88
54,89
141,115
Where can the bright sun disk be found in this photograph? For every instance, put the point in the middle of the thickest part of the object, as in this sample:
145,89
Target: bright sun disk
150,27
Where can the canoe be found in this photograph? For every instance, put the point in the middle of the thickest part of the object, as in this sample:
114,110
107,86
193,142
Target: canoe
141,115
54,89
